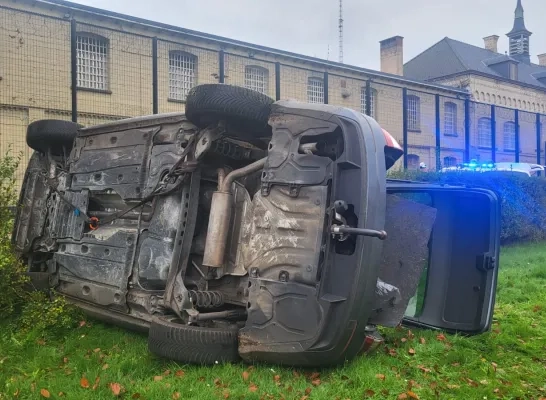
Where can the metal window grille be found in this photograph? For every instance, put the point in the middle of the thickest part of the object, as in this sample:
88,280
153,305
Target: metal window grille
92,62
413,161
414,111
484,132
373,102
181,74
509,136
450,161
450,119
256,78
315,91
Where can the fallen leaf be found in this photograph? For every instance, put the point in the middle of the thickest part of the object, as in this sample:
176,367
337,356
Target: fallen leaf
537,308
45,393
82,324
316,382
304,397
484,382
411,352
403,340
135,396
253,388
96,385
497,390
296,374
277,378
423,368
16,394
453,386
369,393
402,396
115,388
392,352
422,340
456,364
410,335
380,376
441,337
179,373
96,350
314,375
105,367
494,365
65,360
308,391
167,372
176,395
201,379
158,378
84,383
412,395
226,394
61,394
217,382
246,375
41,342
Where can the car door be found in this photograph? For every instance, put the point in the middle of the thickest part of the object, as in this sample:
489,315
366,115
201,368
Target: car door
442,255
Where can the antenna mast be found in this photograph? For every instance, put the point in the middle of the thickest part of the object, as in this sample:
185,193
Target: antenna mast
341,31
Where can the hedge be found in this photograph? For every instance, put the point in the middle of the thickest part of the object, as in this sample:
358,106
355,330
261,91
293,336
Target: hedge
523,199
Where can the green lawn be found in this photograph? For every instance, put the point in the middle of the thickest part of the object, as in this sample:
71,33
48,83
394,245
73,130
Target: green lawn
94,360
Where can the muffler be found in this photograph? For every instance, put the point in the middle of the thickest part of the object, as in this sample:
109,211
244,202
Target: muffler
220,214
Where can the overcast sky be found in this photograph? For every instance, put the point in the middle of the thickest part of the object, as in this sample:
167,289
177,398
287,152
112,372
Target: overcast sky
310,27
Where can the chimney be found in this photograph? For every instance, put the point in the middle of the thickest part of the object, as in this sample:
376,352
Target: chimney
392,55
542,60
491,43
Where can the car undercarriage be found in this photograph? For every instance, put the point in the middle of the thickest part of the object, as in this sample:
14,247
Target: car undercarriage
240,229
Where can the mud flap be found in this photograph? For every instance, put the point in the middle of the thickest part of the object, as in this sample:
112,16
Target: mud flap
405,254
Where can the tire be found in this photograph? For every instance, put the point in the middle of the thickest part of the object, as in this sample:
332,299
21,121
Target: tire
50,134
193,344
246,111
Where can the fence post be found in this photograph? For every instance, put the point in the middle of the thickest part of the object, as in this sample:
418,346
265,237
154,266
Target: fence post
326,87
516,129
438,144
368,95
539,138
405,125
467,130
221,72
493,134
155,89
74,68
277,81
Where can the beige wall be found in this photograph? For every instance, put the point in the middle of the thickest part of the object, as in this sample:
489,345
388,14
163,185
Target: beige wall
35,80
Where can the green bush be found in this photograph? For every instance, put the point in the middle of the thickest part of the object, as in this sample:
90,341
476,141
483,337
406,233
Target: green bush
523,199
12,272
31,311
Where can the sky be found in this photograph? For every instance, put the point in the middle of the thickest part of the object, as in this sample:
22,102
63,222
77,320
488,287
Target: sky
310,27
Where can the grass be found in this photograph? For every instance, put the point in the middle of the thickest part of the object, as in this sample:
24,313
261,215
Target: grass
508,362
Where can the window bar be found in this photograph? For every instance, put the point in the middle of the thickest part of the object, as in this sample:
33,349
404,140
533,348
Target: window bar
438,150
516,123
74,68
493,134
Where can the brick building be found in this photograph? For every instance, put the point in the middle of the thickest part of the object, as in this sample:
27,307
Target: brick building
68,61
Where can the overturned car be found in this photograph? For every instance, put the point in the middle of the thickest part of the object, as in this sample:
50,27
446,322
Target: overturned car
251,229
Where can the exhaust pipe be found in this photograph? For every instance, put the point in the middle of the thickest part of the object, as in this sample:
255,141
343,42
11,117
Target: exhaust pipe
220,214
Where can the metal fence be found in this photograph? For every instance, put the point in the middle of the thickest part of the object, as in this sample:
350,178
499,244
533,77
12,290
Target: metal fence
95,74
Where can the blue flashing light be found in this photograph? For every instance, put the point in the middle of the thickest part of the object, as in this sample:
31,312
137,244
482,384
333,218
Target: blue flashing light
490,165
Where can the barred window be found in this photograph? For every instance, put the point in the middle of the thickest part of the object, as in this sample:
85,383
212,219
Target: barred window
414,113
315,91
413,161
373,102
450,162
182,74
484,133
256,78
92,61
450,119
509,136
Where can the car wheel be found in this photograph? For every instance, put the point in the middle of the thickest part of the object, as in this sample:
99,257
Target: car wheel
54,135
245,111
193,344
